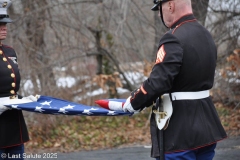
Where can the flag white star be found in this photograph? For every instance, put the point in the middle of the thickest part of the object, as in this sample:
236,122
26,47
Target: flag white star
94,109
87,111
39,109
46,103
68,107
62,110
111,113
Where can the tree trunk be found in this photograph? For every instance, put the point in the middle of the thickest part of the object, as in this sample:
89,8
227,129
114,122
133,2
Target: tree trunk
200,10
42,74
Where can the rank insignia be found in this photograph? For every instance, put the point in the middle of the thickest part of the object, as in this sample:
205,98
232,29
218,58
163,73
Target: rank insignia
160,55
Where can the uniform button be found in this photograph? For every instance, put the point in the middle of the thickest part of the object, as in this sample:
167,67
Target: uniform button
1,52
12,75
4,59
9,66
12,92
13,84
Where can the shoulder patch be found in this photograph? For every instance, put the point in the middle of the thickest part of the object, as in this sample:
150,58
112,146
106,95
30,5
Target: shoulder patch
160,55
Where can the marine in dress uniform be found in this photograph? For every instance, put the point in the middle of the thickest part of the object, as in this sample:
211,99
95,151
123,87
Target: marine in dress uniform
184,69
13,130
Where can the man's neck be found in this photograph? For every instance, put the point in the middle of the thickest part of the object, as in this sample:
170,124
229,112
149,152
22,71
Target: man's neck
180,11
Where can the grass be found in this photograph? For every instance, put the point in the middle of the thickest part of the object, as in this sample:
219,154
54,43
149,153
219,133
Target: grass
71,133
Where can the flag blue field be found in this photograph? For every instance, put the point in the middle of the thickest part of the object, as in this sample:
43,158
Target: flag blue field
56,106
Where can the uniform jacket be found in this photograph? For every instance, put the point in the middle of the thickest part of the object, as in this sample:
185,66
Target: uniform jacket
185,62
13,130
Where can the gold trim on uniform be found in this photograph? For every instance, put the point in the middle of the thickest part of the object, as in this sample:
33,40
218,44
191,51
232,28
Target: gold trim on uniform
1,52
9,66
12,92
4,59
12,75
13,84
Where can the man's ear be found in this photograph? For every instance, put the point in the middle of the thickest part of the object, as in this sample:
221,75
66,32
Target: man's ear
171,6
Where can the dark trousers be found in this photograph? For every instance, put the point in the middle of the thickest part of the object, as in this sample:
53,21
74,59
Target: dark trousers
13,153
204,153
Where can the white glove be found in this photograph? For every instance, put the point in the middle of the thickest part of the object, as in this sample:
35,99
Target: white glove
32,98
3,108
127,107
115,106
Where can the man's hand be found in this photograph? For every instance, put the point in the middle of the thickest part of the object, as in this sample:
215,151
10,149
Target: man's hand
32,98
127,107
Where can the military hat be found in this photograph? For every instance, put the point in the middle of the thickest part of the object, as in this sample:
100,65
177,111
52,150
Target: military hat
4,17
157,3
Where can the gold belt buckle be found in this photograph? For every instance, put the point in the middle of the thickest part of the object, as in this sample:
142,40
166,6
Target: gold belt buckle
162,115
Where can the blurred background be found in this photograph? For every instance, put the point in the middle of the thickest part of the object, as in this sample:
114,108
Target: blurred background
82,51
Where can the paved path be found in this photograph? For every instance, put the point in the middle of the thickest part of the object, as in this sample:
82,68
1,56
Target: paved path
228,149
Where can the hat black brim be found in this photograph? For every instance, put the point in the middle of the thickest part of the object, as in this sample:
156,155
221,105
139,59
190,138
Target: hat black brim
155,7
6,20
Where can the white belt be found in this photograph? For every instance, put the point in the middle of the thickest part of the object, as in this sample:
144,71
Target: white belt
13,100
190,95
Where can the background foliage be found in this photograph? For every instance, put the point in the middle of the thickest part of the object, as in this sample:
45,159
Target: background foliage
82,50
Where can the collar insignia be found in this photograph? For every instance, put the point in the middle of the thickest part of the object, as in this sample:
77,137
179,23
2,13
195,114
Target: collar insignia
14,59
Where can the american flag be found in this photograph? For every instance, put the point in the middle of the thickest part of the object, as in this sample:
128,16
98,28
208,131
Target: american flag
56,106
111,104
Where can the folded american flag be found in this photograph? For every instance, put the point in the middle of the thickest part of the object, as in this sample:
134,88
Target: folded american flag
111,104
51,105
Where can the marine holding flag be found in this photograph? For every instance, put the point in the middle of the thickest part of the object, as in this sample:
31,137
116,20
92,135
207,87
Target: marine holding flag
13,130
184,69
